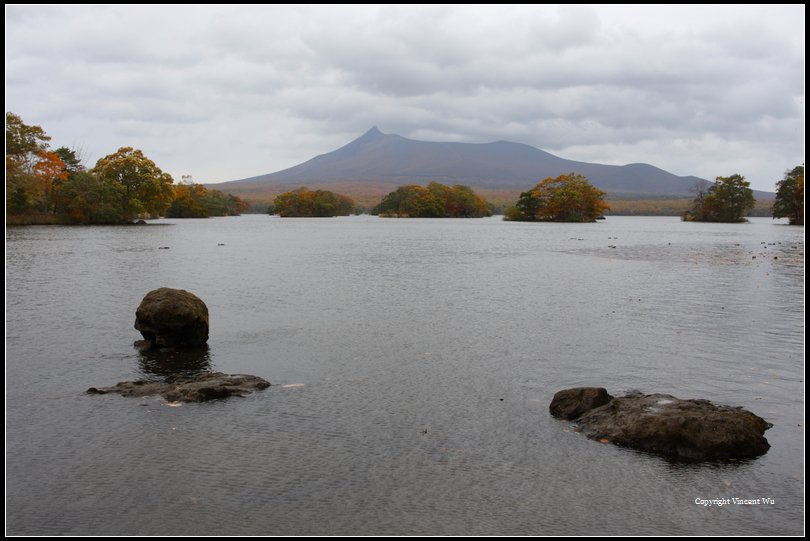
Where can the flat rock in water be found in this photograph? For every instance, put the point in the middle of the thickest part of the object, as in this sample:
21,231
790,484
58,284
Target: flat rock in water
196,388
683,429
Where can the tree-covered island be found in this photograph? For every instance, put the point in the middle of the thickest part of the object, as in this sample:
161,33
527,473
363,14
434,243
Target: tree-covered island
434,201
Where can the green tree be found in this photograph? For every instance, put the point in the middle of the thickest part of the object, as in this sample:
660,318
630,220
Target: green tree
216,203
17,200
789,201
566,198
148,189
73,163
729,199
235,205
85,198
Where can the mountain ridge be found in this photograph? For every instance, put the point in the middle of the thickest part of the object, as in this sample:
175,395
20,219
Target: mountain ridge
376,157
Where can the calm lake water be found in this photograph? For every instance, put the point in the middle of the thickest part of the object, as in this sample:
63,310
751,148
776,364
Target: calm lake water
428,351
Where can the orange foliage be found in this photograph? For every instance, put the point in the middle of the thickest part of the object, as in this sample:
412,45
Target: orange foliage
47,172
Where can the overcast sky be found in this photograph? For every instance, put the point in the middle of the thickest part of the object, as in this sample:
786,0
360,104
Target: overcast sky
224,93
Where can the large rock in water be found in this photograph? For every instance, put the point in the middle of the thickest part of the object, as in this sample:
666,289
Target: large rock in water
196,388
572,403
684,429
172,318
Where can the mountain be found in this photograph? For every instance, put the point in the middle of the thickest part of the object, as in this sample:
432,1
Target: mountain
378,159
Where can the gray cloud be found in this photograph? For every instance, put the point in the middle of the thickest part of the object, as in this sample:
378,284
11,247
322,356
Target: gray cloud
230,92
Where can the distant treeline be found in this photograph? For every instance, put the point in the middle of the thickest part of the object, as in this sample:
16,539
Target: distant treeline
671,207
411,201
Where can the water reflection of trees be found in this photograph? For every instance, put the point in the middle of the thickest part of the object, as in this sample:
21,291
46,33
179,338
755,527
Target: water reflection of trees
161,363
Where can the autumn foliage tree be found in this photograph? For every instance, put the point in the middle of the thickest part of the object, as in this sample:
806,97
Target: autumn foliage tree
433,201
566,198
31,168
303,203
192,200
789,201
729,200
148,190
188,202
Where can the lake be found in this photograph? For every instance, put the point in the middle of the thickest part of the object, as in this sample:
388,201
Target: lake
428,350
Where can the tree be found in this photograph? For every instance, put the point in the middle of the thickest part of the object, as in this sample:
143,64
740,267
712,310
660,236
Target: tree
22,139
790,196
729,199
465,203
85,198
567,198
312,203
188,201
148,189
411,201
26,146
48,172
193,200
236,206
434,201
71,158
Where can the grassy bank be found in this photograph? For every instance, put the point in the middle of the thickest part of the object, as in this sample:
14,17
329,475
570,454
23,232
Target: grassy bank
41,218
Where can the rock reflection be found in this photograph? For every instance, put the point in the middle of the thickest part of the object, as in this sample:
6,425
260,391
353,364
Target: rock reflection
161,363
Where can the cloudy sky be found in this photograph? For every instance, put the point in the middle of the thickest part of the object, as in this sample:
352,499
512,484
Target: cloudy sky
224,93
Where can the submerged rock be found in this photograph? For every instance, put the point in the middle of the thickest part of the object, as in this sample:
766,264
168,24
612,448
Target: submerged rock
196,388
572,403
172,318
684,429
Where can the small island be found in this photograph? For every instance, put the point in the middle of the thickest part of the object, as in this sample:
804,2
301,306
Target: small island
728,200
306,203
566,198
434,201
